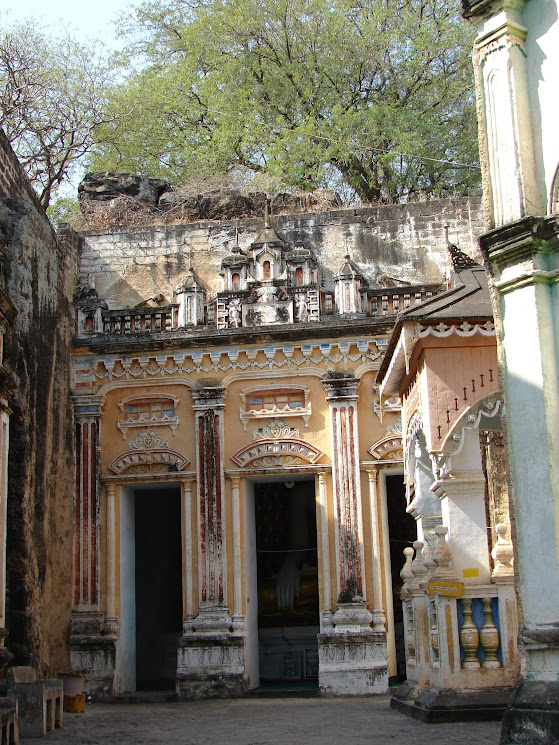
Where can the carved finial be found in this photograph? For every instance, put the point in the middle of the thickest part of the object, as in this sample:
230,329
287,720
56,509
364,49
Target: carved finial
406,573
502,554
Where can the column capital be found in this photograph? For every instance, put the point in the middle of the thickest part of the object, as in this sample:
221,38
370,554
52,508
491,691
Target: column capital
341,389
88,406
207,397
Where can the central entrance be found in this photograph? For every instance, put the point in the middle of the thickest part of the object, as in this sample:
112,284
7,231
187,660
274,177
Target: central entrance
150,586
287,581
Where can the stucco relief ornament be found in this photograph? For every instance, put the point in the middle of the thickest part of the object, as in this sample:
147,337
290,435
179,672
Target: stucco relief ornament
275,429
147,440
148,453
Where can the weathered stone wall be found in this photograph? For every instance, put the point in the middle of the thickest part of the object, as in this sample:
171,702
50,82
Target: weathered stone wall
405,242
39,277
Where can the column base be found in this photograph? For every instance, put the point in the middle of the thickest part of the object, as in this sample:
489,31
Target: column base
210,666
93,651
532,716
434,706
352,664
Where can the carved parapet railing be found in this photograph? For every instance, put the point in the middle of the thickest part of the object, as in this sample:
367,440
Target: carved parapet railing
140,320
389,300
465,641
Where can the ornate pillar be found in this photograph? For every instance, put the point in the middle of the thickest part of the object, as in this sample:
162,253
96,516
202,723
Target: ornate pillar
342,400
87,413
92,640
211,660
213,614
352,657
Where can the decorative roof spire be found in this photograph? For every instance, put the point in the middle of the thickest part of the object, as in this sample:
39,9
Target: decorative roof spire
458,259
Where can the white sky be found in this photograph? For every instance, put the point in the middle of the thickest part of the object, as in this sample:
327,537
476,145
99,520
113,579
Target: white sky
88,18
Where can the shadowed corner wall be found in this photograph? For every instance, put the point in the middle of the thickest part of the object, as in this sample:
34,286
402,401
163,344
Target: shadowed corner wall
39,276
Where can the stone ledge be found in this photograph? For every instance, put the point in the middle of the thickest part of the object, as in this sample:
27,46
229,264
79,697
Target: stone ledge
451,706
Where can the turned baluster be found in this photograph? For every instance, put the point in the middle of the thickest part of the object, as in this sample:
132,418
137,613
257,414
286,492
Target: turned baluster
502,554
442,555
428,559
418,567
406,573
489,637
469,638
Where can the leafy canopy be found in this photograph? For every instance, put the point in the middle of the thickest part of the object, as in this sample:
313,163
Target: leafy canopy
53,97
374,94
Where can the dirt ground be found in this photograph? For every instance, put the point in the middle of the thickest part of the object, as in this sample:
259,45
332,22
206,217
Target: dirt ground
282,721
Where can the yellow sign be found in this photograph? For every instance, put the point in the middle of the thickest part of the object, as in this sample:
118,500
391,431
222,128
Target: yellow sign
471,572
444,587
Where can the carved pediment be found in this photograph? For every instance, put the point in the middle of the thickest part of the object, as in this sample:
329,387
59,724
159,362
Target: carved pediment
276,444
148,453
388,448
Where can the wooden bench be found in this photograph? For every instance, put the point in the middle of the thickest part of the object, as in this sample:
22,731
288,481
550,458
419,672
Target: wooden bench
39,701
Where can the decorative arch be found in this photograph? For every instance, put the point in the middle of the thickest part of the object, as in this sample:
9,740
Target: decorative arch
276,444
388,448
148,453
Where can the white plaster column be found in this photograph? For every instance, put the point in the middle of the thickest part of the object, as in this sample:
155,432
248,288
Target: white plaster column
379,616
238,617
524,259
111,621
326,612
213,613
507,143
186,493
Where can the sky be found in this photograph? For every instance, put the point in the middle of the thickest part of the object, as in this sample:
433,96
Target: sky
92,19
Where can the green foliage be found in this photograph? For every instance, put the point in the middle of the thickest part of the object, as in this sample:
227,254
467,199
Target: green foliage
66,209
53,94
377,94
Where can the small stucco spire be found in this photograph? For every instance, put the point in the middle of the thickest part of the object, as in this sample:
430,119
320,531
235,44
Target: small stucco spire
459,261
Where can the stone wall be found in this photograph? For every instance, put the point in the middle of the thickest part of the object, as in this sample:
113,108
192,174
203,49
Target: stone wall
39,276
13,180
405,242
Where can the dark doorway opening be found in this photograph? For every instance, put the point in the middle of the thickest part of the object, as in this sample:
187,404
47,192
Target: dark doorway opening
403,532
158,568
287,571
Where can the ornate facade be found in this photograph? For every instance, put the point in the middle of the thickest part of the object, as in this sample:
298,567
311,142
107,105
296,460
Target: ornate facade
236,490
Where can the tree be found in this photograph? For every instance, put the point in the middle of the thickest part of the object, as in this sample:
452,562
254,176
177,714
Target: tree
378,93
53,93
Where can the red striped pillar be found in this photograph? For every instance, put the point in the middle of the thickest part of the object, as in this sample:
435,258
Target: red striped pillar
342,399
213,614
86,505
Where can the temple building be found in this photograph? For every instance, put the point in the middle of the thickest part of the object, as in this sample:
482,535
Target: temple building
240,509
